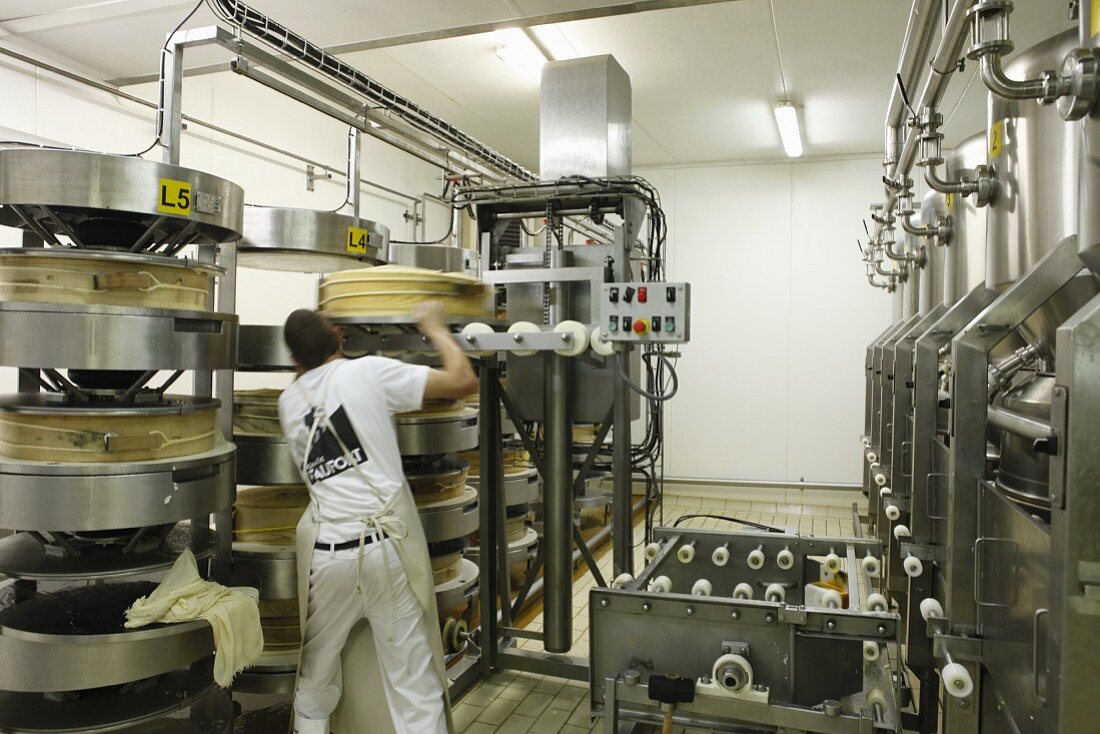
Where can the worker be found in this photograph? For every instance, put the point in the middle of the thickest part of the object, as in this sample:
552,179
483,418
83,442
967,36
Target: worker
372,657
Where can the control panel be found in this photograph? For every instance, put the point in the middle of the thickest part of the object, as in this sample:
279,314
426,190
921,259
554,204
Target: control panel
646,312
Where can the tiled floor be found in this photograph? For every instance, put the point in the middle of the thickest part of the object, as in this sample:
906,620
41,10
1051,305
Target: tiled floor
513,703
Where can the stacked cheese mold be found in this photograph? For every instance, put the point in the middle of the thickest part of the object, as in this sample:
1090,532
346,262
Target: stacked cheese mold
393,291
105,477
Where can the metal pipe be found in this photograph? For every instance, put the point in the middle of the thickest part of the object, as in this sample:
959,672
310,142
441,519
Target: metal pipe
1022,425
944,64
558,504
351,184
598,538
914,50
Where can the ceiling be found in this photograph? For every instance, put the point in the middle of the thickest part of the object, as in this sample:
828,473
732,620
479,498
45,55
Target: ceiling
704,77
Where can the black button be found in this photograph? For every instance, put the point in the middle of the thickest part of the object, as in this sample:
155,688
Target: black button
628,294
670,294
613,295
655,322
626,323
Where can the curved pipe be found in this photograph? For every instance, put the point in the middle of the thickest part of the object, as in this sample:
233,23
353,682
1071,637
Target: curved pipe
887,285
1047,88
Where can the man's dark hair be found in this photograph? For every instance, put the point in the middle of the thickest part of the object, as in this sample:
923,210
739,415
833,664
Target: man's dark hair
311,337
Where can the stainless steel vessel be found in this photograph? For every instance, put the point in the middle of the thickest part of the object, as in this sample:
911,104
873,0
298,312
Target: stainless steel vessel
306,240
964,266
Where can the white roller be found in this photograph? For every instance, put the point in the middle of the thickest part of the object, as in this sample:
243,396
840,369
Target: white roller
885,492
784,559
621,580
600,345
893,512
880,479
876,602
702,587
866,442
901,531
872,457
742,591
930,609
521,328
775,592
956,680
871,650
875,695
474,329
756,559
871,566
833,564
578,341
721,555
831,599
661,585
651,551
686,553
913,567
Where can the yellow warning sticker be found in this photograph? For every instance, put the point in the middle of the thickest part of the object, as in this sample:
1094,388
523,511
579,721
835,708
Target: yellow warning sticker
996,139
174,197
950,200
357,240
1094,19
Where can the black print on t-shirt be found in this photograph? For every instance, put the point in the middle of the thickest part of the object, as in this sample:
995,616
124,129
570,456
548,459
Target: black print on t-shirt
326,457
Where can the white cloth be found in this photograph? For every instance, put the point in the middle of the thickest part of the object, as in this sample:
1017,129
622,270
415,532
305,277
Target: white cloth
411,682
233,614
361,397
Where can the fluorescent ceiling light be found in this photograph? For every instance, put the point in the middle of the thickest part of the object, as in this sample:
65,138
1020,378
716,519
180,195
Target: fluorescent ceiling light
554,41
786,119
516,49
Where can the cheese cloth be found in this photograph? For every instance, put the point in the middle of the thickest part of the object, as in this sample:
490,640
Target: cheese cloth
233,614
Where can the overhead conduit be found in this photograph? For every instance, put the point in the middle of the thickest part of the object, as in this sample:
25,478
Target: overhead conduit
281,38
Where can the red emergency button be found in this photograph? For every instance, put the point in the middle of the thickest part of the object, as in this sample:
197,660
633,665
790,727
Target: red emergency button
643,294
641,327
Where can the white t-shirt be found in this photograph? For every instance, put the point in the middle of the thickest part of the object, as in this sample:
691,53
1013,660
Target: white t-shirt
362,397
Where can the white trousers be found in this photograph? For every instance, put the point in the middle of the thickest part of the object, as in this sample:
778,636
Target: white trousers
414,693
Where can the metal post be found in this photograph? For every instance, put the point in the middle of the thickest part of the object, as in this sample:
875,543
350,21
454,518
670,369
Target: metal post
490,494
226,303
170,119
351,187
557,504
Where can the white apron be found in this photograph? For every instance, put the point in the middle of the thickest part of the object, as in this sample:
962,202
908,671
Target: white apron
363,708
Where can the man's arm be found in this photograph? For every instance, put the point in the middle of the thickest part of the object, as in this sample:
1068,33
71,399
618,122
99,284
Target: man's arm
456,379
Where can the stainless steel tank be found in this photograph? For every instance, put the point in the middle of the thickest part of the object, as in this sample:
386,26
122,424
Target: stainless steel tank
1023,472
1088,242
964,266
1033,154
909,244
932,207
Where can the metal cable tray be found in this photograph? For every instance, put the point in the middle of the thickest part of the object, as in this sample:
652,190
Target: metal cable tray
450,519
114,709
115,200
520,488
23,557
115,337
308,240
60,660
88,496
458,590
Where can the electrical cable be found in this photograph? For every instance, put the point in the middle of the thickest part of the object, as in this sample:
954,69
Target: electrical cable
660,398
747,523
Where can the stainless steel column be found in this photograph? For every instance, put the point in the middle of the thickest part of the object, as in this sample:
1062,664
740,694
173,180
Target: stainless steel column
557,505
490,494
622,475
351,185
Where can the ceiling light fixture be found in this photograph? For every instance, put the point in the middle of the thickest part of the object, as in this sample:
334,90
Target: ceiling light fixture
786,119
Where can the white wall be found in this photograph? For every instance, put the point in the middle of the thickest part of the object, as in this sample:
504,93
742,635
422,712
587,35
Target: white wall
771,385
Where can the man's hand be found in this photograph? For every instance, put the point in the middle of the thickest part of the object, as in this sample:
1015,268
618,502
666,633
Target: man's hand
429,317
